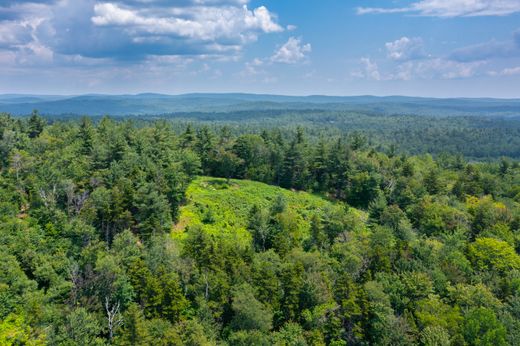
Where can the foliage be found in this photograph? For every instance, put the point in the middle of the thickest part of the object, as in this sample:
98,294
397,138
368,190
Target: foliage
110,234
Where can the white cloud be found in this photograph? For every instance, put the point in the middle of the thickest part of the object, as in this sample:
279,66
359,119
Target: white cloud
257,62
407,61
426,69
260,18
435,68
380,10
405,49
252,68
370,70
510,71
14,33
292,51
130,30
19,40
202,23
38,52
451,8
21,24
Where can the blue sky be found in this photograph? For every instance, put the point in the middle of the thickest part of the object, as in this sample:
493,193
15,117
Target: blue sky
439,48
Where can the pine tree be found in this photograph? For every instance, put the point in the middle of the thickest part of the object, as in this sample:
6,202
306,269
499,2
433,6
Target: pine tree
259,226
135,331
36,124
318,235
86,135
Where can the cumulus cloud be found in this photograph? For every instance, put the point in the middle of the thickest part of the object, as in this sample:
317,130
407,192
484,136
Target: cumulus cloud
203,23
406,60
405,49
252,68
293,51
451,8
19,41
134,29
369,70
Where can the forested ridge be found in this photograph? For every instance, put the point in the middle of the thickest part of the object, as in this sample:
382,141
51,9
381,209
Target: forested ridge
399,250
477,137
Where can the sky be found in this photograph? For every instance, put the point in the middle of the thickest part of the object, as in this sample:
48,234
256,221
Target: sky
437,48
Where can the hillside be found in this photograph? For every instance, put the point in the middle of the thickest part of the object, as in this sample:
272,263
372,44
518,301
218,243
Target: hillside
159,104
90,233
223,209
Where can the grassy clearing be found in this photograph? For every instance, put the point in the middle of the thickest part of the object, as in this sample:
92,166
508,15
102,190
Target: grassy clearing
223,208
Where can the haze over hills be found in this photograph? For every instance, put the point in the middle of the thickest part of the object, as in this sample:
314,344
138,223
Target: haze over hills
157,104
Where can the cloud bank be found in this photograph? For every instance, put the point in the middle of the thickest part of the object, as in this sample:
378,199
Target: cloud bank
136,30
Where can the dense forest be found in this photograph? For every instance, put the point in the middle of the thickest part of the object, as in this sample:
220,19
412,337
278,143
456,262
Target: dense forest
109,235
477,137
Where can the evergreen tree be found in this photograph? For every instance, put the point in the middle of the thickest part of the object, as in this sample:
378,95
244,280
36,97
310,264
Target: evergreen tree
35,124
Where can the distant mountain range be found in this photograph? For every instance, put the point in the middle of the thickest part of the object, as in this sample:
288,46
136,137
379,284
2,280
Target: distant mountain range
159,104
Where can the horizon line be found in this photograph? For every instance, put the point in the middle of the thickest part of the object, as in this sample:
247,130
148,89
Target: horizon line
258,94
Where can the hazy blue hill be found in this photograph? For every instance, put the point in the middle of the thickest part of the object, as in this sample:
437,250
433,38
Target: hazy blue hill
21,99
158,104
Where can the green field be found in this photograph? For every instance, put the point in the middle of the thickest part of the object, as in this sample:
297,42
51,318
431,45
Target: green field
223,208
